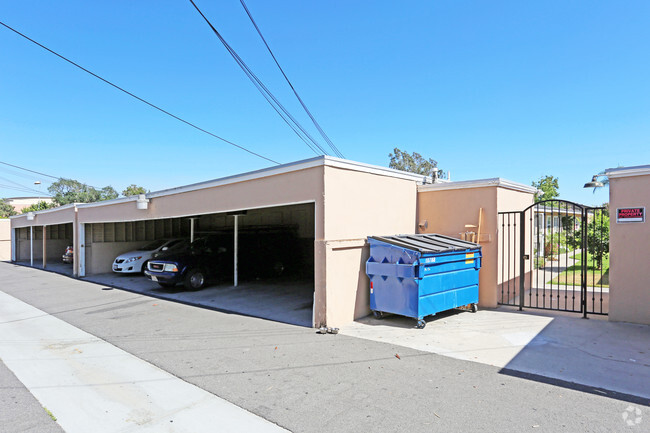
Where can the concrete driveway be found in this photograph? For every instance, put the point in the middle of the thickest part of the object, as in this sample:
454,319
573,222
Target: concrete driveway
591,352
285,301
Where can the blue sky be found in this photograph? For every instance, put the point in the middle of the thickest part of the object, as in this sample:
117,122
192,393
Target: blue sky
510,89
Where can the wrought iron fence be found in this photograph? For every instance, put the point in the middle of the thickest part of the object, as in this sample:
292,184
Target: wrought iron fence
554,255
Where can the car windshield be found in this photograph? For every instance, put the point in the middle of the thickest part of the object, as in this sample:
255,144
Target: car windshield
198,244
174,243
154,245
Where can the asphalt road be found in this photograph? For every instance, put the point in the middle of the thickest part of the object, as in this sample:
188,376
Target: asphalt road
300,380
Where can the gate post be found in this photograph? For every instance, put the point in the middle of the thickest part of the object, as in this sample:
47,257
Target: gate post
522,259
583,264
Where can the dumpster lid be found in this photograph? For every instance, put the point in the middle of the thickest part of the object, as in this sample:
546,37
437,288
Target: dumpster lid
428,243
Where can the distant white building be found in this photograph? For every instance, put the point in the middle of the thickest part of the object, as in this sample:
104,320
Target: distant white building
20,203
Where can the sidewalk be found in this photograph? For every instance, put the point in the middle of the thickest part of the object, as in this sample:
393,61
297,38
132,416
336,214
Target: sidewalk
86,381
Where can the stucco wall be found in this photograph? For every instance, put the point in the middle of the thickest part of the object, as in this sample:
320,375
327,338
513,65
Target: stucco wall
5,240
287,188
100,256
49,217
629,273
358,205
447,211
56,248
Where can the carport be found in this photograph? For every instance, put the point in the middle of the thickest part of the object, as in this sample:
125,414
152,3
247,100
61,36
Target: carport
317,211
40,239
274,276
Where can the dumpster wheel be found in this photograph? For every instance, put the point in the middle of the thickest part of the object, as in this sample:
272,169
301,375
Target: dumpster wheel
378,315
474,308
421,324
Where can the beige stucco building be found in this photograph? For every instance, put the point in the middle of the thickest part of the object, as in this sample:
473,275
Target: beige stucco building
629,188
5,239
333,204
20,203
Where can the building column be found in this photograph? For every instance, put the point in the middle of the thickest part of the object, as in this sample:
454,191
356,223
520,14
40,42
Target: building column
31,245
236,249
44,247
14,244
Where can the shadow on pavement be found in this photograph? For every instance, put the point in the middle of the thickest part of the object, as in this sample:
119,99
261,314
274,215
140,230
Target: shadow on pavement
596,356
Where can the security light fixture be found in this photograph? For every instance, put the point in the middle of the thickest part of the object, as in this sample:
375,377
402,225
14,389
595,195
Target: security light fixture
435,174
142,202
595,183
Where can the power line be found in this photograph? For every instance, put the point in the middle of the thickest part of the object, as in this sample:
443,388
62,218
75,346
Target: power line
31,171
137,97
286,116
316,124
24,187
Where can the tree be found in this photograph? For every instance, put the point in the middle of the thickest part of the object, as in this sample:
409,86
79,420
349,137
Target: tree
549,186
41,205
598,237
66,191
107,193
133,189
413,163
6,210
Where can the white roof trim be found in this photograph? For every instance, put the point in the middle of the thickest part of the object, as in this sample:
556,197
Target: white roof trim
331,161
109,202
638,170
480,183
44,211
272,171
29,198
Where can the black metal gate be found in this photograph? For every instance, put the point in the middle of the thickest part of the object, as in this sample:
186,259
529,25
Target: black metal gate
554,255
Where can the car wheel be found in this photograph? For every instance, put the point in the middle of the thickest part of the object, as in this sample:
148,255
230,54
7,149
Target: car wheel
194,280
144,266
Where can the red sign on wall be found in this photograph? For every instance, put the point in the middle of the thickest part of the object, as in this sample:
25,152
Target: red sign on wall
630,215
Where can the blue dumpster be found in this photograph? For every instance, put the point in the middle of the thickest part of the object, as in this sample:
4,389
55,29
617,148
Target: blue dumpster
420,275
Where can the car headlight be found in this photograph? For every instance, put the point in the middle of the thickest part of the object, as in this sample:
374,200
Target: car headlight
170,267
132,259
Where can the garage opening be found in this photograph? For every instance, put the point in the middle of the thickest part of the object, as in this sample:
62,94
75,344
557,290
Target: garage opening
273,244
46,247
272,278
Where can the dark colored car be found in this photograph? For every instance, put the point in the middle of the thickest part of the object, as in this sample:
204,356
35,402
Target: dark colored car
264,252
206,259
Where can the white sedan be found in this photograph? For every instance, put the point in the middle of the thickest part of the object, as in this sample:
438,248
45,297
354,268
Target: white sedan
136,261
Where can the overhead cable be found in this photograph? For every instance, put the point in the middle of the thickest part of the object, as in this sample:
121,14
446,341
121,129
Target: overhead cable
138,98
26,176
18,185
316,124
277,106
31,171
24,189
